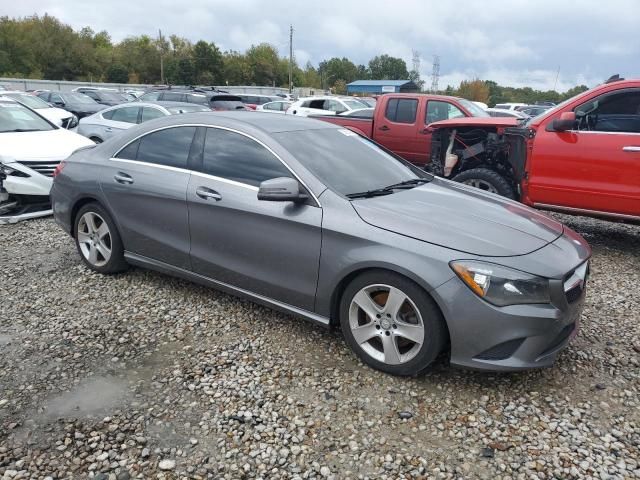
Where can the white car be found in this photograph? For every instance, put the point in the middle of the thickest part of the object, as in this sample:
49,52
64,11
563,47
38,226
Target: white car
278,106
31,147
108,122
499,112
60,117
509,105
359,113
324,105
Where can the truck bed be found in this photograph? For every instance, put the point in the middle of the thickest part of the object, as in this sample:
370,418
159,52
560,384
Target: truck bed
364,126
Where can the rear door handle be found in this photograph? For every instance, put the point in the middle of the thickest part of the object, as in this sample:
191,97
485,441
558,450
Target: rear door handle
207,193
108,129
631,148
123,178
384,128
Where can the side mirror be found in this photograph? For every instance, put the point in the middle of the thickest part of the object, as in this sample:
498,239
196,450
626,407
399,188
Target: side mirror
59,104
566,121
281,189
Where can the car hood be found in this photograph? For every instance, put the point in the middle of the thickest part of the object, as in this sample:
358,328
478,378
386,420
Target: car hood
48,145
461,218
55,115
476,122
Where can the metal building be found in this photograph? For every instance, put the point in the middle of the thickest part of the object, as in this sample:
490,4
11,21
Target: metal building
381,86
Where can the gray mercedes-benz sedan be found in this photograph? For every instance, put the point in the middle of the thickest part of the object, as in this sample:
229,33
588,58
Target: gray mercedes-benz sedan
315,220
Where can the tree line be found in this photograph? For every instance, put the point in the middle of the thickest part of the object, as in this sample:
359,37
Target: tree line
42,47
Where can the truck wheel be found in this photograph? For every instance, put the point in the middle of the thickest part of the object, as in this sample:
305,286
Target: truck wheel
486,180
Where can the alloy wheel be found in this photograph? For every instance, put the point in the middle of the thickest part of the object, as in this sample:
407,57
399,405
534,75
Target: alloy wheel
386,324
481,184
94,239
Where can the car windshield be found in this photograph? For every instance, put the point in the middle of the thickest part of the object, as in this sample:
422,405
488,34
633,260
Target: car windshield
116,97
15,117
475,110
30,101
188,109
345,161
78,98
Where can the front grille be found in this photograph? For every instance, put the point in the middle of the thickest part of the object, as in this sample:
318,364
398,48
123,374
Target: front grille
502,351
564,334
44,168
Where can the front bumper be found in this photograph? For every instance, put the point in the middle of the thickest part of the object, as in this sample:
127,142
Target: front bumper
33,178
516,337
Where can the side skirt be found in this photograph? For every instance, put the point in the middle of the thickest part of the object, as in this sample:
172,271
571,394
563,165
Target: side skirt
620,217
145,262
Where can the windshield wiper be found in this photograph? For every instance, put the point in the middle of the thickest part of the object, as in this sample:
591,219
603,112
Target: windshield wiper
389,189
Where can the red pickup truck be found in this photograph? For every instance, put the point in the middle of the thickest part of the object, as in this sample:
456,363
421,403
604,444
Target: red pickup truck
400,121
580,157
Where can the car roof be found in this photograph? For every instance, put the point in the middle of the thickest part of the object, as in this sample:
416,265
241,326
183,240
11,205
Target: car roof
249,120
169,103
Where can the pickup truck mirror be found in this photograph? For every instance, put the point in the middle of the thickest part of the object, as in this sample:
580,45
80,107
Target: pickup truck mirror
281,189
566,121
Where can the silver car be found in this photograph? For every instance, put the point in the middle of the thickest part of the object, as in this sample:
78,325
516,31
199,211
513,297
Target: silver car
108,122
314,220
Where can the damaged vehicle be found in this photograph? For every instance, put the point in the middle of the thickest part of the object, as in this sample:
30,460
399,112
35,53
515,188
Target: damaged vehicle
581,157
31,148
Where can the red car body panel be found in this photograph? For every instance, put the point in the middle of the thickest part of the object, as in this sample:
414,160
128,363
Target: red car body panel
577,171
411,141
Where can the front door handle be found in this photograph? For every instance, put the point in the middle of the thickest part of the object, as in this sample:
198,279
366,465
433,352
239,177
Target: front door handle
108,129
384,128
631,148
207,193
123,178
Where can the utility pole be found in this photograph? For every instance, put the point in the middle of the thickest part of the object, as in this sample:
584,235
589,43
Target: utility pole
291,59
161,59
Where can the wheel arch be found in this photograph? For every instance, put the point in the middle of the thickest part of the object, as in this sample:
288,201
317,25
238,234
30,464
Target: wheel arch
349,276
84,200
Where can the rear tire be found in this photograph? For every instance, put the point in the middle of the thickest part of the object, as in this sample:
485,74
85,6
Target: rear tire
487,180
391,323
98,241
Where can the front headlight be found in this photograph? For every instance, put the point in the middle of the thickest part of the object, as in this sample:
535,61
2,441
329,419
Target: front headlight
500,285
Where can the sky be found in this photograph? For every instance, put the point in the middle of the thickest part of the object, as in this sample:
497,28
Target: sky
541,44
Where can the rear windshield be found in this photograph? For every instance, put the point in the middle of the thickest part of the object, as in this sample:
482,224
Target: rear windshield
226,103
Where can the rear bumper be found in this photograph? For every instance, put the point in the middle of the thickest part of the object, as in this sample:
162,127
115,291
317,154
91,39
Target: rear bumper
61,206
516,337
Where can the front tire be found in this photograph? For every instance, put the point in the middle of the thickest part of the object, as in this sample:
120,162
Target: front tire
391,323
487,180
98,241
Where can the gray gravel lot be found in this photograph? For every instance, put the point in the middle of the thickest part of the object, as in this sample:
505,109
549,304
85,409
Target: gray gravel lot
141,375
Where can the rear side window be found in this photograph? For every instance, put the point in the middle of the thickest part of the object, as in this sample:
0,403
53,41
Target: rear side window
150,97
173,97
149,113
108,115
317,104
195,98
169,147
402,110
126,115
130,152
236,157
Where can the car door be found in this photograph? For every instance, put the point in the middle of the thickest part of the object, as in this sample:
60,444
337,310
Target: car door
595,166
268,248
146,188
436,110
397,128
121,119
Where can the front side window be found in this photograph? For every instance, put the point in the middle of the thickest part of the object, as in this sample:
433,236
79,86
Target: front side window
126,115
236,157
272,106
437,111
614,112
173,97
55,98
401,110
169,147
334,106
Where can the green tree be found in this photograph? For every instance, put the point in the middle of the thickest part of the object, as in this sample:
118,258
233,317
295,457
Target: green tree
336,69
207,63
475,90
117,73
385,67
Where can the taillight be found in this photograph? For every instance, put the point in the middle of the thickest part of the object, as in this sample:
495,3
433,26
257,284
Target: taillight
58,169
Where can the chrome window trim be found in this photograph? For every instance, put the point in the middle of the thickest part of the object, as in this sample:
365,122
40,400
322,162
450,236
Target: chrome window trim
601,132
113,157
225,180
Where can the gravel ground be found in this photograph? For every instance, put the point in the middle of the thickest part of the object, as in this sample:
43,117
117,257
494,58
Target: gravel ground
144,376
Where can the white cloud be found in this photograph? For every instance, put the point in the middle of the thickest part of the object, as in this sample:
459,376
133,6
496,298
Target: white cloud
513,42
